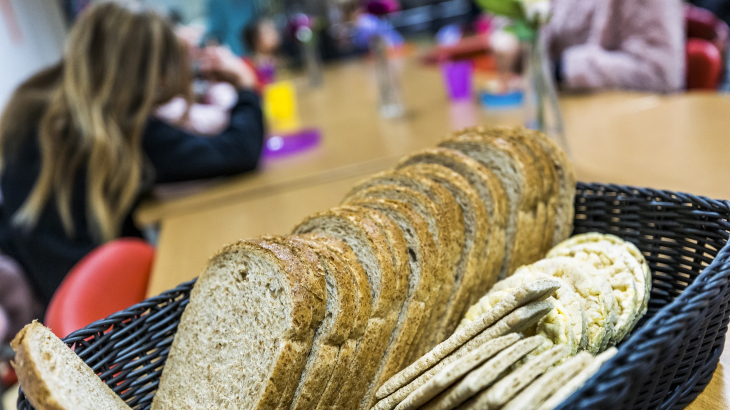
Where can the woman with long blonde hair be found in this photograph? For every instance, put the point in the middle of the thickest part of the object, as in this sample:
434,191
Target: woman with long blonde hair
79,146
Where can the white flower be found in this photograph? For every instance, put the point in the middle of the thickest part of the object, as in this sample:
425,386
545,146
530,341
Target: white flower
536,11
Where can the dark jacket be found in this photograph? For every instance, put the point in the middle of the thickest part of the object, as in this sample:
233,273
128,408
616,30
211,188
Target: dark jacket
47,253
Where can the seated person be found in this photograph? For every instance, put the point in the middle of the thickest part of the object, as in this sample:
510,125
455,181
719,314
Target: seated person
624,44
79,145
263,41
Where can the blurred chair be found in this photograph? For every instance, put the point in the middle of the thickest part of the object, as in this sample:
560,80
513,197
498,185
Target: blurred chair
112,277
707,40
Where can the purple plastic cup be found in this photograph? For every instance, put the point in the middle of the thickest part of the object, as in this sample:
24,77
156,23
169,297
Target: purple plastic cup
458,79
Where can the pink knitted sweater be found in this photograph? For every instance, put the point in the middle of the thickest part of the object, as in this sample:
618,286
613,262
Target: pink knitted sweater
628,44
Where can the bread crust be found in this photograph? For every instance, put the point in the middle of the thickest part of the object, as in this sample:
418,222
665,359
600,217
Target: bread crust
36,389
489,187
442,235
480,262
305,295
547,174
385,302
530,208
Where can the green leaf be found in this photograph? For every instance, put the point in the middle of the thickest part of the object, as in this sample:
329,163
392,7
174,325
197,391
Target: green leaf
523,30
507,8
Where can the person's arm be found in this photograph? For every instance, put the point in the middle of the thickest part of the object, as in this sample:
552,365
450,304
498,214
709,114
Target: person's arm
179,156
640,46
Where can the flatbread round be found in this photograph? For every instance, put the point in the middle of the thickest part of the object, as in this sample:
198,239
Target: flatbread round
566,295
616,265
555,327
541,389
645,279
578,380
593,288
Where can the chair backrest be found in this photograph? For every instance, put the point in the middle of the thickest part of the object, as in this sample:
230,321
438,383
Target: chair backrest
704,65
707,37
112,277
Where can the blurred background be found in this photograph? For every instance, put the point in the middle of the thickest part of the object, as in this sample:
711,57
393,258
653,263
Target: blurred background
240,117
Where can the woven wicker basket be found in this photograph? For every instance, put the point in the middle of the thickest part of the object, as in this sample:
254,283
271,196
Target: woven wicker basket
665,364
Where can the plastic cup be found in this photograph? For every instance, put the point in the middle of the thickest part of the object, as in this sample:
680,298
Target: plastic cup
458,79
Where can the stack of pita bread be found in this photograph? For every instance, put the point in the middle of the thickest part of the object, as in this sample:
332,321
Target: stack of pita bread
489,363
605,285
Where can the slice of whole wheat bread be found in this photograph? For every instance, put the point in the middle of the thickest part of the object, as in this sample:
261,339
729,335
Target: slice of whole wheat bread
337,323
450,212
420,295
481,258
490,190
440,225
373,253
244,338
518,173
342,368
565,210
548,176
53,377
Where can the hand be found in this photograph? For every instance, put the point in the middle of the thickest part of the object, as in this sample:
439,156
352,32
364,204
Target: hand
221,64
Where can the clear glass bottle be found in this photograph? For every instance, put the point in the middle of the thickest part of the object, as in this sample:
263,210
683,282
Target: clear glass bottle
388,87
542,107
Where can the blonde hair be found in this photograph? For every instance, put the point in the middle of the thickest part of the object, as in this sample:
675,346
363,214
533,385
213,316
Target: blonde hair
120,62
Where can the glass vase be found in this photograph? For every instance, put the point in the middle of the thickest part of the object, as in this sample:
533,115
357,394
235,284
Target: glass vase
388,87
542,107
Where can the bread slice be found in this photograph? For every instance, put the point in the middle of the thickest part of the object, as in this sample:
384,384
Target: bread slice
454,251
440,224
519,297
490,190
514,322
481,257
420,295
260,287
565,211
337,323
548,176
519,175
484,376
53,377
372,251
348,262
504,390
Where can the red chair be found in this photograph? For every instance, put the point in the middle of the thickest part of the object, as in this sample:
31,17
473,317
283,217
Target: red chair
112,277
707,38
704,65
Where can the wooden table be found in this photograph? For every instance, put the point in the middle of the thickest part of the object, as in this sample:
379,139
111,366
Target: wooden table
676,142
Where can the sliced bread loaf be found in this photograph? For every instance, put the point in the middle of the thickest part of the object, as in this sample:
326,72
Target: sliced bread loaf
53,377
342,369
438,221
548,176
373,253
259,287
420,295
453,213
337,323
518,173
565,210
481,257
489,188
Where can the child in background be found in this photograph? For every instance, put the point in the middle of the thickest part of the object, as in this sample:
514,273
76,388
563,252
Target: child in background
263,40
209,112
